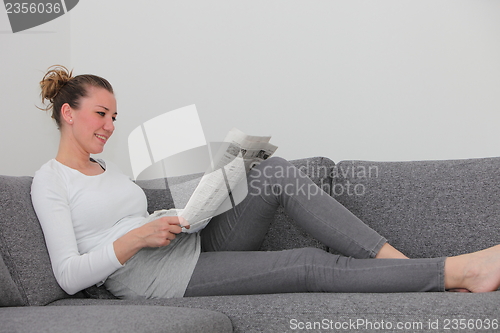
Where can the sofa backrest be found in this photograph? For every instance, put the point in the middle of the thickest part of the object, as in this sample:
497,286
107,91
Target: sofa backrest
9,293
425,208
22,248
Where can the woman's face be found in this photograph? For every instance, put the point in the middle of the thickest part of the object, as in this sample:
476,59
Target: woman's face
92,124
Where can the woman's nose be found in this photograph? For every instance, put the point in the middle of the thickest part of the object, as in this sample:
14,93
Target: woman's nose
109,125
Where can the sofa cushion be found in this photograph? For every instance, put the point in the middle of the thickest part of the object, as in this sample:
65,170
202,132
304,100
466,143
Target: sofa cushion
112,318
166,193
22,244
350,312
425,208
9,294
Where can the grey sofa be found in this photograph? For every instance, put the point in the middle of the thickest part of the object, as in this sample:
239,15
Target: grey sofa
426,209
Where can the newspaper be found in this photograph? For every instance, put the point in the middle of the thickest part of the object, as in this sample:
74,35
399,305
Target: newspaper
224,184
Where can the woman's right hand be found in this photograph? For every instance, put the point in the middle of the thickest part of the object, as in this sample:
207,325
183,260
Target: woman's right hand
160,232
156,233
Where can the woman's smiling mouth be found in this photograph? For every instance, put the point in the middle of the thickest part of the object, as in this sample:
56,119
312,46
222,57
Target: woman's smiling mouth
101,137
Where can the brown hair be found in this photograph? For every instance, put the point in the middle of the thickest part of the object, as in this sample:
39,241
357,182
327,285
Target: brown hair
59,87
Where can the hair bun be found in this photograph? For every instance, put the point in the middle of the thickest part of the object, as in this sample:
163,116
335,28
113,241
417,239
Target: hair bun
55,78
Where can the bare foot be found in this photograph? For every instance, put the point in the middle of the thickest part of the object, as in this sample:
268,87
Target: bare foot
477,272
459,290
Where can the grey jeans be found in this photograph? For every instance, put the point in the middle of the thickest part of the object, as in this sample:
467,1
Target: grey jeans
231,264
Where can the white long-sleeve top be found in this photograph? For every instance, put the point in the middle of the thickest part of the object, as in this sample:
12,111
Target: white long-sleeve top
81,216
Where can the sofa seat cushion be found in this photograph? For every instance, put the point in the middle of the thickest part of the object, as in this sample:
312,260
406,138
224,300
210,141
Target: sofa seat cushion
289,312
112,318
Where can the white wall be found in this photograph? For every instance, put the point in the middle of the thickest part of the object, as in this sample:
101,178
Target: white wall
28,137
375,80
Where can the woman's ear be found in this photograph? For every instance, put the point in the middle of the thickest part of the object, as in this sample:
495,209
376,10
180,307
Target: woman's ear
67,113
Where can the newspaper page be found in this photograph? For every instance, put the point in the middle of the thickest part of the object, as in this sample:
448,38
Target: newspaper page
235,158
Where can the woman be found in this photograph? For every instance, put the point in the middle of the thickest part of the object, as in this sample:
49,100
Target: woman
92,215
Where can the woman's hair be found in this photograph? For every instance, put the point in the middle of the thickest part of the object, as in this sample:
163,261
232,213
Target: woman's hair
60,87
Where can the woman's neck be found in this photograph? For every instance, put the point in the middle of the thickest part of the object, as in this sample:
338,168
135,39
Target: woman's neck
78,160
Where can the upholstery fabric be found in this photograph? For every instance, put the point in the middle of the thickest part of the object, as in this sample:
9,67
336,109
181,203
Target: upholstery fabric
276,312
160,192
425,208
23,246
112,318
9,294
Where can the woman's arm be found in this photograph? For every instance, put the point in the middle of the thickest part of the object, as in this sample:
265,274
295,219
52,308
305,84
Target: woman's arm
157,233
72,270
75,271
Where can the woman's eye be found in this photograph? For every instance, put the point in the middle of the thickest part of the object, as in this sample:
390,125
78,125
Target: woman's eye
103,114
